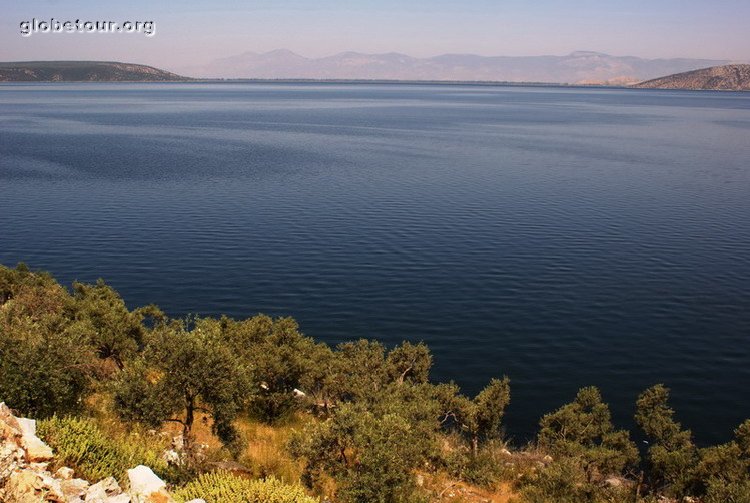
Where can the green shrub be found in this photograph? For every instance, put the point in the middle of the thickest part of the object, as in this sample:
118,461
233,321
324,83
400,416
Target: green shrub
484,469
371,458
44,366
223,487
672,455
41,372
583,430
721,491
80,444
566,481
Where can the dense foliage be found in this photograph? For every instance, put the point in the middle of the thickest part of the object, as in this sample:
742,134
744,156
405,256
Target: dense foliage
223,487
375,426
180,373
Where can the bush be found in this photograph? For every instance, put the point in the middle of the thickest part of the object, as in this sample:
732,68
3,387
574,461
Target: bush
583,430
44,366
484,469
42,373
223,487
80,444
672,455
184,372
720,491
566,481
371,458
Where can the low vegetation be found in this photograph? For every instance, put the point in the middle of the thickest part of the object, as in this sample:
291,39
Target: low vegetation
252,410
223,487
80,444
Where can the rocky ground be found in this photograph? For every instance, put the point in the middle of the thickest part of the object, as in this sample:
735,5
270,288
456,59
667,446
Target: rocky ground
25,477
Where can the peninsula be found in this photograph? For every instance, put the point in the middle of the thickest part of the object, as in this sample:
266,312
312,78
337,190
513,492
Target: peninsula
83,71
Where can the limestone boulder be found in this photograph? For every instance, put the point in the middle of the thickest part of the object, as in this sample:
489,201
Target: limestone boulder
36,450
146,487
103,491
64,473
28,486
74,489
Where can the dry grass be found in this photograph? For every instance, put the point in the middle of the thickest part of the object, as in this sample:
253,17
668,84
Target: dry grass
266,452
444,489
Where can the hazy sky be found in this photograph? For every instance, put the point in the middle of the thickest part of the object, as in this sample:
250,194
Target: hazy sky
196,31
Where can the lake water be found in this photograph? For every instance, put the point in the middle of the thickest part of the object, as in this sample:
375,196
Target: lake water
564,237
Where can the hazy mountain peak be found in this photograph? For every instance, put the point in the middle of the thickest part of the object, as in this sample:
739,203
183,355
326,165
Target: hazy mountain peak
585,54
282,53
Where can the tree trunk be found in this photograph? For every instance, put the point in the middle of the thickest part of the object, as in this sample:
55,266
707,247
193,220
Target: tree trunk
638,488
118,361
475,445
187,427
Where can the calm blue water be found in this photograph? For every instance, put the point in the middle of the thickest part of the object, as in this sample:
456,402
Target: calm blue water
564,237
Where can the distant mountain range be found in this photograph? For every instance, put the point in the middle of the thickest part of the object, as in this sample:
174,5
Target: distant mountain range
581,67
352,66
718,78
82,71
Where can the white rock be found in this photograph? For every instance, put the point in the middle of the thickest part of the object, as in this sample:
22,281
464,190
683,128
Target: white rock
36,450
120,498
28,426
143,480
95,495
171,457
64,473
105,488
74,489
23,485
39,467
11,456
197,500
51,485
7,416
144,483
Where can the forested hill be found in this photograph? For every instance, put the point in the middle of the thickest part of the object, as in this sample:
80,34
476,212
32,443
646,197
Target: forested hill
82,71
716,78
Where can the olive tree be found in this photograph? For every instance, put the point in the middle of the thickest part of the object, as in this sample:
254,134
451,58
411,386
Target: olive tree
583,430
45,367
100,314
371,457
478,419
184,373
672,455
281,358
723,471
